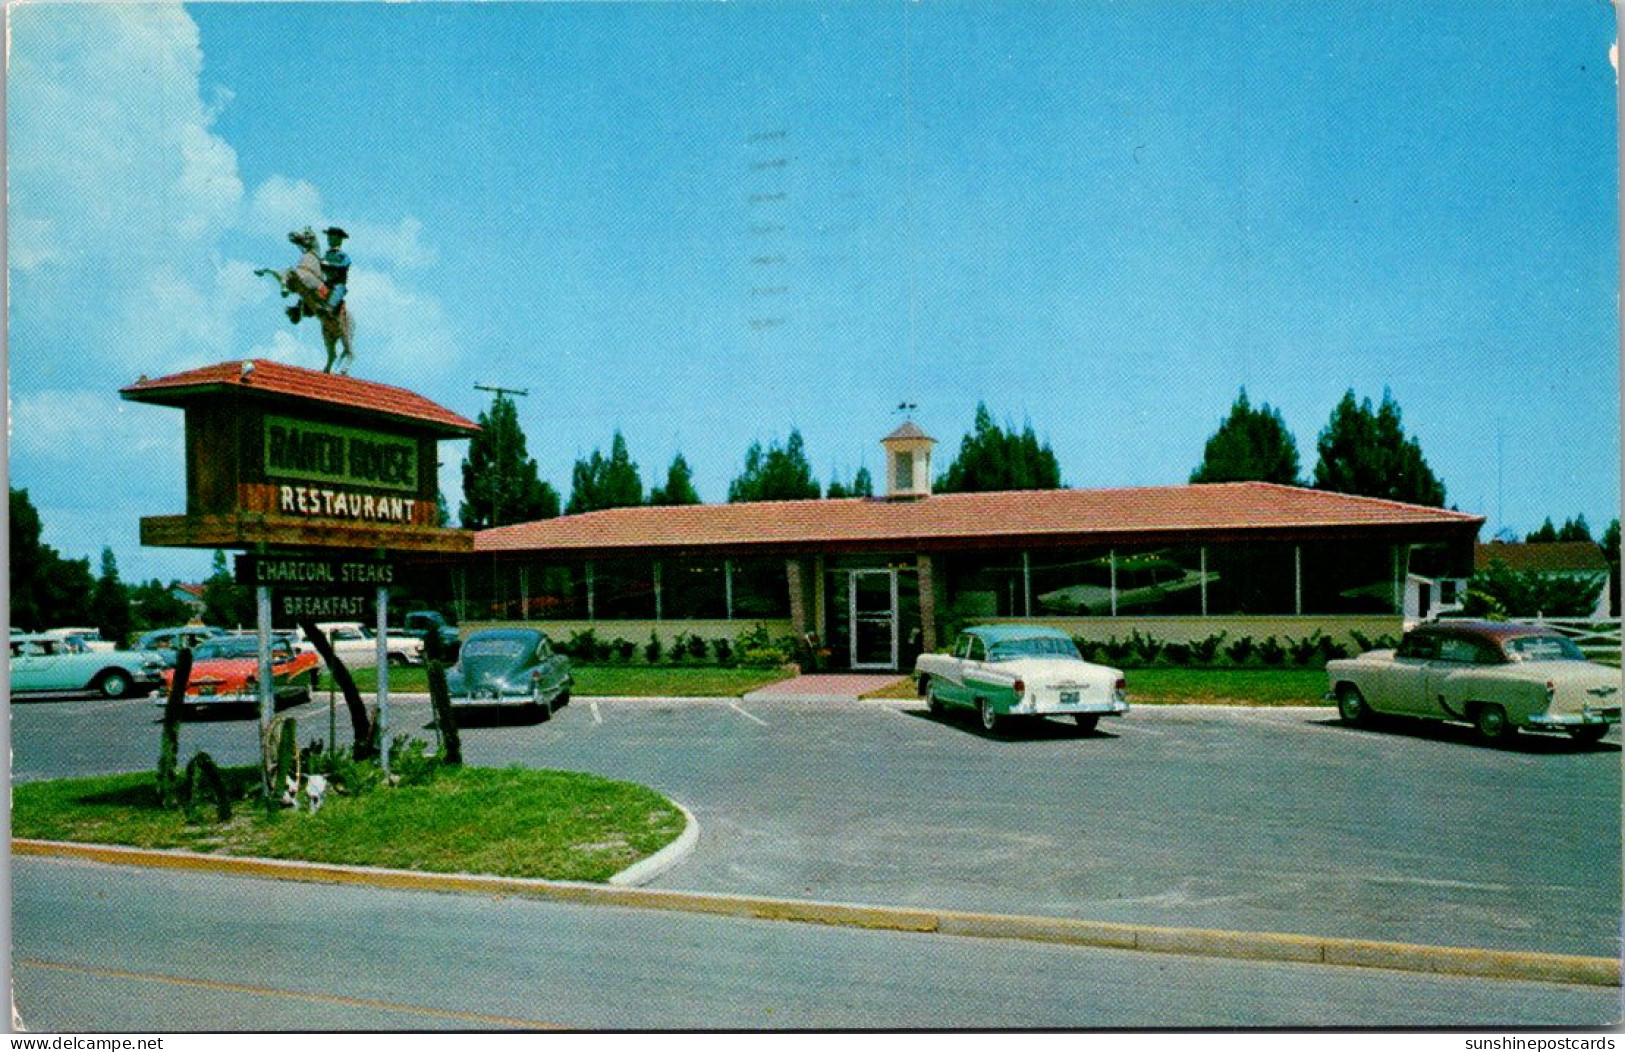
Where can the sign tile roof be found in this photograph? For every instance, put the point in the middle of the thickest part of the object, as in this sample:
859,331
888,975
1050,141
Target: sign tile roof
1059,514
278,379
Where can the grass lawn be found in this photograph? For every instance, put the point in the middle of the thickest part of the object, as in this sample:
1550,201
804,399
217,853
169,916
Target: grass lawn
1201,686
637,681
507,822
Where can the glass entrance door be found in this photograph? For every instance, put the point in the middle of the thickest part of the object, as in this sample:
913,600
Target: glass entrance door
873,618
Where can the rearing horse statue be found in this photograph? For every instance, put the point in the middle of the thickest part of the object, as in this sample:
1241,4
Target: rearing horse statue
305,281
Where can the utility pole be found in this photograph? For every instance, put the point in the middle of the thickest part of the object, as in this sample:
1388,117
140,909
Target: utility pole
496,481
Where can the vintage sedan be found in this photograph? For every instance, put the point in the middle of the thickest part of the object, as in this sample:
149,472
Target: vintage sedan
1499,677
1005,671
50,663
225,671
510,666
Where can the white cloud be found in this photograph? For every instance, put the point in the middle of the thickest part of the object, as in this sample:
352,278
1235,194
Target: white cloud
400,246
79,429
126,218
281,204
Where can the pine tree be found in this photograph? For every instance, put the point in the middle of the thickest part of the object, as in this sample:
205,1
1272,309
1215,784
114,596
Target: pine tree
992,459
46,589
679,487
776,474
110,606
1545,533
1365,452
601,482
226,603
500,483
1250,445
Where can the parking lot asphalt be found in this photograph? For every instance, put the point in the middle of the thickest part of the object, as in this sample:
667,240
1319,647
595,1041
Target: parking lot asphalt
1261,820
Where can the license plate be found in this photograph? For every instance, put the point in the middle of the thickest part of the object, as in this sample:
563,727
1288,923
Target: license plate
1069,697
207,692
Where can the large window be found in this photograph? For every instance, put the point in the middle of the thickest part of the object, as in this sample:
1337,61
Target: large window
693,589
1251,579
1350,577
989,585
1124,581
623,589
761,589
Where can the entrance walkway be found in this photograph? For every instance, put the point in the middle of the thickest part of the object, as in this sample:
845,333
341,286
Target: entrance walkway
826,686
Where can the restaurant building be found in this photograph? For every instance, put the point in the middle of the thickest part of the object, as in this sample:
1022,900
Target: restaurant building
872,581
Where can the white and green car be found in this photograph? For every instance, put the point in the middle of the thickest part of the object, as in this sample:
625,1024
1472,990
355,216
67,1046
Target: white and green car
1006,671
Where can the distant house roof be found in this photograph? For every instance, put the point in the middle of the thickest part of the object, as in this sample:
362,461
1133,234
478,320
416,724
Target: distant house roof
1555,557
1159,514
278,380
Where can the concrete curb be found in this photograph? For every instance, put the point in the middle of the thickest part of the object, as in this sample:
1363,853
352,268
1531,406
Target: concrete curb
667,857
1257,946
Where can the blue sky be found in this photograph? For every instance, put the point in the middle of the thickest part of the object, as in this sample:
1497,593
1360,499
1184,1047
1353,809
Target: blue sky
706,224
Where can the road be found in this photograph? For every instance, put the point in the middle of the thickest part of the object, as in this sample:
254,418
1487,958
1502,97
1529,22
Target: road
1263,820
113,949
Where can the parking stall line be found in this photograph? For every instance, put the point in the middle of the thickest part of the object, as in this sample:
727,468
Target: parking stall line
754,719
597,717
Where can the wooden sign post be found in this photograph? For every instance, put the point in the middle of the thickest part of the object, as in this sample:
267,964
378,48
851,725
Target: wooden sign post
325,480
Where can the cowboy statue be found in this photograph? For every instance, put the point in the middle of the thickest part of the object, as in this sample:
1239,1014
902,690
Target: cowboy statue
319,283
336,267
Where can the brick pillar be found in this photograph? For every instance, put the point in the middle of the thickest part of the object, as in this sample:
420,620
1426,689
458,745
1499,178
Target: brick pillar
795,574
928,603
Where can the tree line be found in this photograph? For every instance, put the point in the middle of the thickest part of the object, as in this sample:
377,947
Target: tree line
1362,450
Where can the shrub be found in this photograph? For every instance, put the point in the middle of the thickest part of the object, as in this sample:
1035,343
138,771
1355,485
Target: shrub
582,645
1177,653
653,648
1090,650
1305,650
1271,652
724,651
1144,648
1239,651
410,762
695,646
1331,650
1117,652
623,648
758,649
1206,651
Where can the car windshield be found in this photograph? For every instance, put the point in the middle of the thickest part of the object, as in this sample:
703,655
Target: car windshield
1543,648
1035,646
240,647
500,647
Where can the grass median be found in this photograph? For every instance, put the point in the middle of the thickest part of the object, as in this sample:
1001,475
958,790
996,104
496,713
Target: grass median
597,681
510,822
1201,686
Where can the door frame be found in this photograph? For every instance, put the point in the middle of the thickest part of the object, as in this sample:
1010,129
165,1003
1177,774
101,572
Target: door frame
852,618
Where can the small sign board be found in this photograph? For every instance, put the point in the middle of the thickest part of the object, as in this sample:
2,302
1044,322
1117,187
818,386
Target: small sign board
315,573
292,607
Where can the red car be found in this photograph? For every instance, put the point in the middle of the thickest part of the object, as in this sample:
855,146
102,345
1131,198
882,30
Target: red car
225,671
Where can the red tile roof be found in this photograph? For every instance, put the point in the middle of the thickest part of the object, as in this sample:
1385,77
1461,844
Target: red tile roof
1558,556
1029,514
278,379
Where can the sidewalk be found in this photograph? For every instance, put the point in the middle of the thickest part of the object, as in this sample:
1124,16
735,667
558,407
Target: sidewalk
828,686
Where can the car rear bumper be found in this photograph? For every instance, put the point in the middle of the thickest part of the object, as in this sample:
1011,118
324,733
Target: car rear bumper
1587,717
485,700
1031,707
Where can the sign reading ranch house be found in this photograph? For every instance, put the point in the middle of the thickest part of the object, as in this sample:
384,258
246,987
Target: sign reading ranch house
332,453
